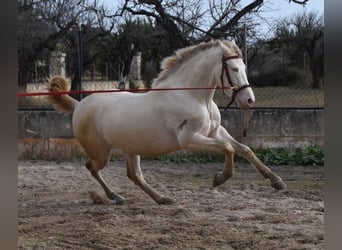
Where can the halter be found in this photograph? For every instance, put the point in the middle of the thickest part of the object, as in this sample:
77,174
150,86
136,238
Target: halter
236,90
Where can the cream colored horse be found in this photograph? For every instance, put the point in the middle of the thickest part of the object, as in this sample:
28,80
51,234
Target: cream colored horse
159,122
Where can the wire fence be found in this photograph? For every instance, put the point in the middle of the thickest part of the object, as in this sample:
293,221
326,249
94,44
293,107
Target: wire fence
282,97
266,97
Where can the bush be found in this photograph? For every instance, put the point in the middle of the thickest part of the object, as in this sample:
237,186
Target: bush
308,156
149,72
276,157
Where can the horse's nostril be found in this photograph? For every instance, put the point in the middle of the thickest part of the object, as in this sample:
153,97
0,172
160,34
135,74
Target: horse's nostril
250,101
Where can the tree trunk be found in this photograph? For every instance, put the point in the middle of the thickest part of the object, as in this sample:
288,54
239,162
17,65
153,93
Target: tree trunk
316,59
23,76
75,86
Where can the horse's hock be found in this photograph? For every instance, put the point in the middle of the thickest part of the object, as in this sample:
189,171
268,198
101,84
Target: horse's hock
48,134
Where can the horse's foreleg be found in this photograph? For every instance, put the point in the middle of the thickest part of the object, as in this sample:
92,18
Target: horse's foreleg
247,153
94,167
135,174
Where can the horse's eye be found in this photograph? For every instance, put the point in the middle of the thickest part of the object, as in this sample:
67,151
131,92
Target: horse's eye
235,69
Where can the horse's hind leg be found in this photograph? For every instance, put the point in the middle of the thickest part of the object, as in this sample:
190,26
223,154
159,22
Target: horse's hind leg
229,169
94,167
135,174
200,142
275,181
98,152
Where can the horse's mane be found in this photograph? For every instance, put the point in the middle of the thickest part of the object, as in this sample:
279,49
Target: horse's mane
171,63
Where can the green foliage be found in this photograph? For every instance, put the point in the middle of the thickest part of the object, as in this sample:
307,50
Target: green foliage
149,72
191,157
276,157
308,156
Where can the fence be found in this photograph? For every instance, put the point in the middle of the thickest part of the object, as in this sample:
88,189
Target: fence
48,134
266,97
282,97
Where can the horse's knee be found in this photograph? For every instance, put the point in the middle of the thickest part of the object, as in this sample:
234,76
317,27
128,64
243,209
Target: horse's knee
88,165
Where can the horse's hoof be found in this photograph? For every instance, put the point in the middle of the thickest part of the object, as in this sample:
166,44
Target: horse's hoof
279,185
218,179
119,200
166,201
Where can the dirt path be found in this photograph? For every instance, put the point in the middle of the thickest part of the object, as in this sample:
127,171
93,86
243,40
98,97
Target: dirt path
57,208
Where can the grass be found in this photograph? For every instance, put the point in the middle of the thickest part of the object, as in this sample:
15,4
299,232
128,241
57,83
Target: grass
198,157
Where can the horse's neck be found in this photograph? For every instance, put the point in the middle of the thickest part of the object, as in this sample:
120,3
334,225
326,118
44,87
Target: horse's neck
197,72
201,71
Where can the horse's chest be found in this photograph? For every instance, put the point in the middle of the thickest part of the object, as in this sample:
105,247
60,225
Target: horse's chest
209,125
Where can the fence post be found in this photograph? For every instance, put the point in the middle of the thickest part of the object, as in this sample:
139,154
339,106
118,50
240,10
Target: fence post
135,72
57,64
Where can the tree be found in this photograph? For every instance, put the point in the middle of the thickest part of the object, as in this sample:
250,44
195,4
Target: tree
303,35
166,26
44,24
91,39
294,55
193,21
131,36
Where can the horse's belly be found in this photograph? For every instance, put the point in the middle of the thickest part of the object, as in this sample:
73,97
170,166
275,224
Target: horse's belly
144,144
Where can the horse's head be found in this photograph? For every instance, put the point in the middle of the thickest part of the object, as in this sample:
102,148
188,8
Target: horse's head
233,75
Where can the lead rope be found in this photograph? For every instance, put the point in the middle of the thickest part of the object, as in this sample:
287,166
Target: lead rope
235,91
228,105
246,117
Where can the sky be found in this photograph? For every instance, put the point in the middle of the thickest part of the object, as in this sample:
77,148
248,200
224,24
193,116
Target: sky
282,8
278,9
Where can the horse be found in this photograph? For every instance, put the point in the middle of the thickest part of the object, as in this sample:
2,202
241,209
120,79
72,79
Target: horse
155,123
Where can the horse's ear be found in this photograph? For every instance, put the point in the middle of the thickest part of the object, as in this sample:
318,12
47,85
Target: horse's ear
223,46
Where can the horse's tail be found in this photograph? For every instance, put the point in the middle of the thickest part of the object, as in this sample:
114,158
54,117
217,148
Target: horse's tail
63,102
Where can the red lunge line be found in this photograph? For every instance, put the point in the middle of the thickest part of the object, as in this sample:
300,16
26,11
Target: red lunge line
113,90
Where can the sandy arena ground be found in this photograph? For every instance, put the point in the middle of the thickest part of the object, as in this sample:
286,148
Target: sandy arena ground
60,206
